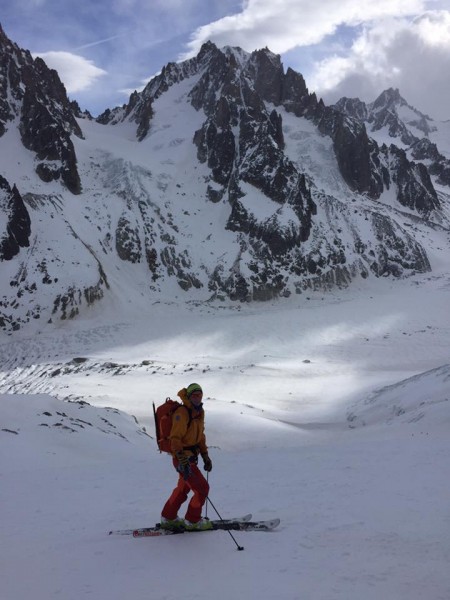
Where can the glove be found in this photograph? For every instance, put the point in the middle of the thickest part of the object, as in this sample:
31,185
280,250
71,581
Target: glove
184,466
207,464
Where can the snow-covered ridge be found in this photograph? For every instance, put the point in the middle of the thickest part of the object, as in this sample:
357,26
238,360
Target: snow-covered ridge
424,397
30,414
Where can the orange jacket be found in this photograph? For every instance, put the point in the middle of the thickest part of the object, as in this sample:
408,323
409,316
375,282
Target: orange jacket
185,434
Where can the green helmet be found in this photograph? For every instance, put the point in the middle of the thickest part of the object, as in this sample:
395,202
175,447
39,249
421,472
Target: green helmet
193,387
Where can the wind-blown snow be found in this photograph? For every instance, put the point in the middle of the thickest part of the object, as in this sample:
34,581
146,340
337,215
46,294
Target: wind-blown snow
331,413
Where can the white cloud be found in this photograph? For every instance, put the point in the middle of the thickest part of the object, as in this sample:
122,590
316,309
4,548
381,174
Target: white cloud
283,25
412,55
77,73
434,29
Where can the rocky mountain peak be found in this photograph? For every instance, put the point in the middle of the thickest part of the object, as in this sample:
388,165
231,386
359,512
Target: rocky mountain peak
35,95
354,107
402,120
388,99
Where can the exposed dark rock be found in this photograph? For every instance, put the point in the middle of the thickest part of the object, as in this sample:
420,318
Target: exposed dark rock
396,251
216,144
18,226
267,75
77,112
353,107
295,97
256,156
415,189
424,149
442,170
356,153
128,243
438,165
145,117
179,265
106,116
383,113
34,93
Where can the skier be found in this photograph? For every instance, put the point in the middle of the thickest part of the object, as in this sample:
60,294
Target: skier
188,440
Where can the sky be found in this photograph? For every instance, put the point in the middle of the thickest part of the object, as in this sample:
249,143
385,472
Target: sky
105,50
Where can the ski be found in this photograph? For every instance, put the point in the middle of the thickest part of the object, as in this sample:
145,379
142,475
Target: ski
229,525
141,531
249,525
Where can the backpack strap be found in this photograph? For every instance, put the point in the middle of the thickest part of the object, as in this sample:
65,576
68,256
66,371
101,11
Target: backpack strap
189,412
193,449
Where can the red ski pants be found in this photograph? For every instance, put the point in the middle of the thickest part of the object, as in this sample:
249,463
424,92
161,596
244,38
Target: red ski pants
195,483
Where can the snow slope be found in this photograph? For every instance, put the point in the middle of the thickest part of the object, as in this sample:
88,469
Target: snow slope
331,413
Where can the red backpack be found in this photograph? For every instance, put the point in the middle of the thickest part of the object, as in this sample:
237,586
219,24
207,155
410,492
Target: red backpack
163,422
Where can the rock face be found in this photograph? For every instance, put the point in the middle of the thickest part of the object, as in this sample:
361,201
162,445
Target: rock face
34,94
415,189
17,231
239,185
410,130
242,143
358,155
424,150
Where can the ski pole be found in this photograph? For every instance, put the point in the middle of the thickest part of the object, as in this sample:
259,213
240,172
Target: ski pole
232,536
206,507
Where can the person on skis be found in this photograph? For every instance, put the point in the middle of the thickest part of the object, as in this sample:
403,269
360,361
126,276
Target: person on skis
188,441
